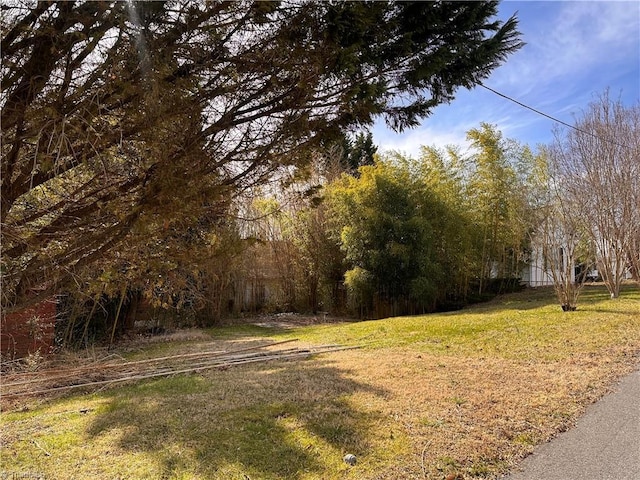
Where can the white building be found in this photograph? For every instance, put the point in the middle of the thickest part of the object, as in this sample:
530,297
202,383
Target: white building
538,271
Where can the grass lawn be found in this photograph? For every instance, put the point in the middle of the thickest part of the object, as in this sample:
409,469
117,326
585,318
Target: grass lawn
465,393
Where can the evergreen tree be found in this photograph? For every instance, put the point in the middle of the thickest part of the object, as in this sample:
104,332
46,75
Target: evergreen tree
120,117
358,152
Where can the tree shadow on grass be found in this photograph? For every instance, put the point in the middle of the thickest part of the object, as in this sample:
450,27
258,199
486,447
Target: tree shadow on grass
266,421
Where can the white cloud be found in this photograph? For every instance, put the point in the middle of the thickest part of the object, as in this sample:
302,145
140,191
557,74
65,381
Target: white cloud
566,41
574,50
409,142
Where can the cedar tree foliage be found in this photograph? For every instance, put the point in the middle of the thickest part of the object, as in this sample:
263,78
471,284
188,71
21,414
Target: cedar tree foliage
121,117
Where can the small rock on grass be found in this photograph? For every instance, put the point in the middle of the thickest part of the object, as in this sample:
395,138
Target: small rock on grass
350,459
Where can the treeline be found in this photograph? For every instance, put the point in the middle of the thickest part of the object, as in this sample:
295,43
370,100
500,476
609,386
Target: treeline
188,160
134,133
357,233
374,235
409,235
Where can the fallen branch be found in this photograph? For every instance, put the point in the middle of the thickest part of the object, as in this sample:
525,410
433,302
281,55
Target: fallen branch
224,362
62,374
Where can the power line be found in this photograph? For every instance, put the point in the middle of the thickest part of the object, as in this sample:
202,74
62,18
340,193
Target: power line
550,117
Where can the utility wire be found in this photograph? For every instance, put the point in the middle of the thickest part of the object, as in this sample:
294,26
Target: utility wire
550,117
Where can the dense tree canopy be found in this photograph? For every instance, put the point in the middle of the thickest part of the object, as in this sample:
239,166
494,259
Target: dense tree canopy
383,220
128,121
435,231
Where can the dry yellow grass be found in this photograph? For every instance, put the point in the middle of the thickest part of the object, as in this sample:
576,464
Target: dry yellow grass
466,393
478,416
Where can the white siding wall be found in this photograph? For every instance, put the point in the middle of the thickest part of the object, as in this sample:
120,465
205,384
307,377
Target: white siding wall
537,274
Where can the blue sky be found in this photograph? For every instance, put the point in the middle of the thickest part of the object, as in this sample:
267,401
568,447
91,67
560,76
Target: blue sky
574,51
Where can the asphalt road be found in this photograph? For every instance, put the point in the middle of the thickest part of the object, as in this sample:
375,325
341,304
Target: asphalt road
604,444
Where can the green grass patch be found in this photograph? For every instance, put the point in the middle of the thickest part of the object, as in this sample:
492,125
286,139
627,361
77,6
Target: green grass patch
526,325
